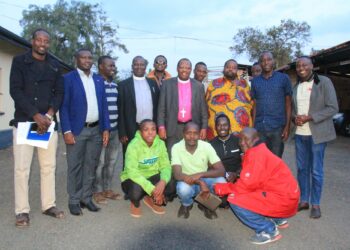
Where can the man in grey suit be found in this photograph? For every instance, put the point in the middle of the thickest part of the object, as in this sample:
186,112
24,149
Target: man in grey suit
181,101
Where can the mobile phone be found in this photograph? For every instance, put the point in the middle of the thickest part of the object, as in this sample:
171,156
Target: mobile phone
34,127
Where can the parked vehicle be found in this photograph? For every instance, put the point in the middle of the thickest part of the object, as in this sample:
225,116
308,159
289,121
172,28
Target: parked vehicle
342,123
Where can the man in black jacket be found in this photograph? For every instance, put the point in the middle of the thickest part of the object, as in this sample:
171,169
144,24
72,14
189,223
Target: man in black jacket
36,86
138,100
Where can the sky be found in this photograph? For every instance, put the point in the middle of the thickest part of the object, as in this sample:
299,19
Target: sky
201,30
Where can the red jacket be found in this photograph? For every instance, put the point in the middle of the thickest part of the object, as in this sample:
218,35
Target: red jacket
266,185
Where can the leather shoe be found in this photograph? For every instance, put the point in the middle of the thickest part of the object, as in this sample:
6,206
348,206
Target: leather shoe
315,212
184,211
303,206
207,213
75,209
90,206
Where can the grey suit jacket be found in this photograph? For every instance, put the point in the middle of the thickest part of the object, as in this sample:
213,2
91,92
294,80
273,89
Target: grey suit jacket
323,106
168,105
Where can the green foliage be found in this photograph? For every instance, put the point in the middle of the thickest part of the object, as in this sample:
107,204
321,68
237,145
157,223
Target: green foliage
73,26
284,41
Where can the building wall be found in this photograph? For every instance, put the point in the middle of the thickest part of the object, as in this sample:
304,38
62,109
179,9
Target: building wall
7,52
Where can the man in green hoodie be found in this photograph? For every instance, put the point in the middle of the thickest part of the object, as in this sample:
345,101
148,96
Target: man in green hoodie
147,172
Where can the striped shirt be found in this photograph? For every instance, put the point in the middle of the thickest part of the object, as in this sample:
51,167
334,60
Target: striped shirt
112,96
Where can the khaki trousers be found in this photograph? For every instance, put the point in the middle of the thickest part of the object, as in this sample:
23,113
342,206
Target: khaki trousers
23,155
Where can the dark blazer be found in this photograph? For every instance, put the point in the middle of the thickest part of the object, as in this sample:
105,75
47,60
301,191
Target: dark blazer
74,107
169,105
34,90
127,106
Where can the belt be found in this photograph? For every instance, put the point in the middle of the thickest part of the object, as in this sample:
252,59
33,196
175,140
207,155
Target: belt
91,124
178,122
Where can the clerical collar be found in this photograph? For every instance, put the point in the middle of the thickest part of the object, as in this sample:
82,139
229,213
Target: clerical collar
183,82
139,78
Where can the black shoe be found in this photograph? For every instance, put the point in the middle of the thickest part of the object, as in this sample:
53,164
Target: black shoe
315,212
90,206
184,211
75,209
207,212
303,206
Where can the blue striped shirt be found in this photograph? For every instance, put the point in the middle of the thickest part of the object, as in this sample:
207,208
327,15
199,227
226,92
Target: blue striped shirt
112,96
270,95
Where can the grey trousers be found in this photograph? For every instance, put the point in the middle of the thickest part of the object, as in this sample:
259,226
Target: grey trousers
111,158
82,160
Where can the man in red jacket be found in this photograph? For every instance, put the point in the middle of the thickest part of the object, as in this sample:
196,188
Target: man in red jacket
266,192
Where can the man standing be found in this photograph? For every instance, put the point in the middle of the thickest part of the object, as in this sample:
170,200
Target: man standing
266,192
36,86
110,155
314,105
231,96
138,100
181,101
84,116
200,74
159,74
190,160
272,92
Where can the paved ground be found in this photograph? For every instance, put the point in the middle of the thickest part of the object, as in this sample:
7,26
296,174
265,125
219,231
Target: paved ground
113,228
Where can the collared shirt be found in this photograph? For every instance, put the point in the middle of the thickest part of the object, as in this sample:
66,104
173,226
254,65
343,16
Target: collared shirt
196,162
143,97
229,152
112,97
91,98
303,102
270,97
185,101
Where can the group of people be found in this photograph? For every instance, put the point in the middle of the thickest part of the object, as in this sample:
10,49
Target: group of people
178,136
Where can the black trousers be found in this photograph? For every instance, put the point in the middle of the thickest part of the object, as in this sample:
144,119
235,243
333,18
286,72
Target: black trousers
135,192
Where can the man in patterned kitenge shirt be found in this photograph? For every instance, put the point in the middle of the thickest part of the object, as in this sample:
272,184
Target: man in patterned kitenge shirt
230,96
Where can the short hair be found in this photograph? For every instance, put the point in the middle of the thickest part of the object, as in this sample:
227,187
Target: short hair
305,57
230,60
190,124
200,63
183,59
263,53
102,58
76,54
139,57
222,115
256,63
144,121
155,59
39,30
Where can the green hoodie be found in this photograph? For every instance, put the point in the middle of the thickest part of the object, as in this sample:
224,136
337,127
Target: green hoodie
142,162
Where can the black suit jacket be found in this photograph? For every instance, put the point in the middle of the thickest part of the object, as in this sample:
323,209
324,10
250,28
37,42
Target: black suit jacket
127,106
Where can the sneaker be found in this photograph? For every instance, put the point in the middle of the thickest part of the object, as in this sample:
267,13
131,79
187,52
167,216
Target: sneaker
281,223
263,238
22,220
155,208
99,198
135,211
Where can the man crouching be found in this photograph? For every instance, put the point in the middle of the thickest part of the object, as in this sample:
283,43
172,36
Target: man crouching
266,192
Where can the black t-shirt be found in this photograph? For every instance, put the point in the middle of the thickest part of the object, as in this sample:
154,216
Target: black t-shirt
229,152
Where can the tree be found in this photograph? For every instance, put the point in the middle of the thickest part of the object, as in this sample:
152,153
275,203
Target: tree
284,41
72,26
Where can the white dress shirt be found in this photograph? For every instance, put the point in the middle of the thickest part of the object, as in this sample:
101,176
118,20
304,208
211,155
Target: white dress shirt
143,97
91,98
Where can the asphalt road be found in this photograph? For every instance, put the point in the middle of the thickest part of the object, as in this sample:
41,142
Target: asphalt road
114,228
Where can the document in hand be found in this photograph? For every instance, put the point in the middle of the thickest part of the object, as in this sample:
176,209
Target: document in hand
26,134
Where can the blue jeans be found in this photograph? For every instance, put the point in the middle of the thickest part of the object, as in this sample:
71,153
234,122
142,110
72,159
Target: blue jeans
187,192
255,221
309,157
273,140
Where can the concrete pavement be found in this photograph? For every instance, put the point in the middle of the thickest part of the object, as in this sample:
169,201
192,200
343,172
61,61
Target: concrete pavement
113,228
